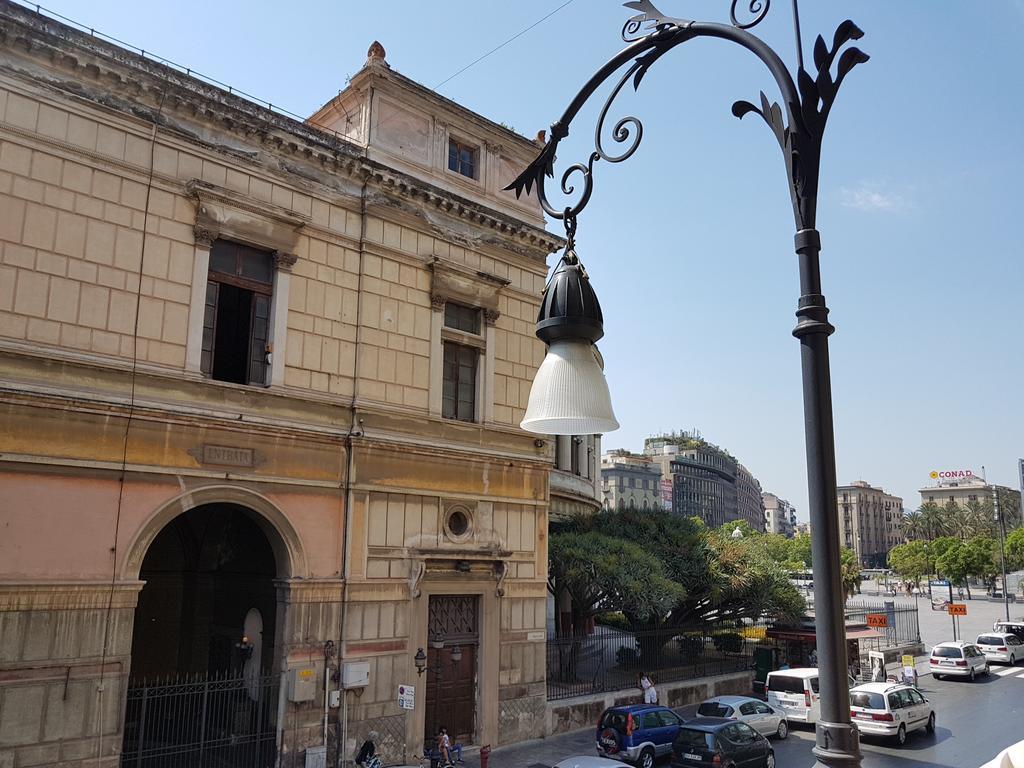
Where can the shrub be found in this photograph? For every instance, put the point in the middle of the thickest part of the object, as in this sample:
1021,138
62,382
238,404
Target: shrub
729,642
690,646
627,657
613,619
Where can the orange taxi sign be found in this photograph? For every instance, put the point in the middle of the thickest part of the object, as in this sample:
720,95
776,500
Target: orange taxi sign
878,620
957,609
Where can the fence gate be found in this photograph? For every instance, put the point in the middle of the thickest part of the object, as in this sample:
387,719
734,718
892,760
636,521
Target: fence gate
214,721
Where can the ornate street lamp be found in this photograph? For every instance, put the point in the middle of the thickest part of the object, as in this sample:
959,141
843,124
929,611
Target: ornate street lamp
570,395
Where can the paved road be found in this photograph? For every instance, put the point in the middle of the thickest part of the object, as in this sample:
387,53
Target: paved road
974,722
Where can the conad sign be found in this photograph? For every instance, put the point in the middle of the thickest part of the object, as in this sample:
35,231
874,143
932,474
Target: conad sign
950,474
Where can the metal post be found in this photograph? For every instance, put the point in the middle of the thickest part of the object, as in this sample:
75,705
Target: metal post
836,740
1002,548
140,738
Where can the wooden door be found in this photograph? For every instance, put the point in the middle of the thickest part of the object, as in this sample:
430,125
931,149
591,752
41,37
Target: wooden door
452,685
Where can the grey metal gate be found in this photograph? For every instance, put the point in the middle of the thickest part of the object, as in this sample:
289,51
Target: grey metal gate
215,721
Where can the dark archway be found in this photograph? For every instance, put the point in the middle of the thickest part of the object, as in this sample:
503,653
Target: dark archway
205,572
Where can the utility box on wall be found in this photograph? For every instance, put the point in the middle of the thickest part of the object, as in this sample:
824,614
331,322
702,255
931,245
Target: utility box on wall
355,674
302,684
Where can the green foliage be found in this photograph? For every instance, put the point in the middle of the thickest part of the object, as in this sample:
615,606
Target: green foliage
613,619
603,573
962,560
728,642
667,573
911,561
1015,550
690,646
849,571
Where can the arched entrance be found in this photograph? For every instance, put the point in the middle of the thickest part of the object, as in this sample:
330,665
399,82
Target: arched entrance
203,646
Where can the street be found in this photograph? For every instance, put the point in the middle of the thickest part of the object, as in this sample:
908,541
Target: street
974,722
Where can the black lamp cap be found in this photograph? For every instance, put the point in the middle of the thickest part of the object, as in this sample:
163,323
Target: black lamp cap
569,308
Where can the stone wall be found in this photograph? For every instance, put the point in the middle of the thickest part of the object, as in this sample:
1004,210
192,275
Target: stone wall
583,711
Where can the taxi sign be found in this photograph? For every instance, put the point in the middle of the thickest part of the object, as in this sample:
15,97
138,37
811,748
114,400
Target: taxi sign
878,620
957,609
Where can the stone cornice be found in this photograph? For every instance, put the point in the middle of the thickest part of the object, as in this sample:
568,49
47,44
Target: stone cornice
91,69
70,595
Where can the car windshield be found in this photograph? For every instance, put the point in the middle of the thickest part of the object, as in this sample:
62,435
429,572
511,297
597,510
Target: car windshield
614,719
713,709
786,684
947,652
690,738
991,640
867,700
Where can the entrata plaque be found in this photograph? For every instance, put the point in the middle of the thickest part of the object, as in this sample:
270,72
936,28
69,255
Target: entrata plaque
225,456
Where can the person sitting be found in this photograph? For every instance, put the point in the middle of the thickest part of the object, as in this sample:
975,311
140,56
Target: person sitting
367,757
444,746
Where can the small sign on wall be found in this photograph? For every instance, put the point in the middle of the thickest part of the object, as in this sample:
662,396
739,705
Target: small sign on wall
407,696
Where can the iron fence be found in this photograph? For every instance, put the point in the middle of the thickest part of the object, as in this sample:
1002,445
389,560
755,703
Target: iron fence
214,721
902,627
612,659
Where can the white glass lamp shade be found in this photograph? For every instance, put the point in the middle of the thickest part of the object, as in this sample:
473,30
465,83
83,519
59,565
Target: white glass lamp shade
570,394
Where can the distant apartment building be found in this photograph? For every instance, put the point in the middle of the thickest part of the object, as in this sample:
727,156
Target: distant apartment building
870,522
779,515
706,481
963,487
629,480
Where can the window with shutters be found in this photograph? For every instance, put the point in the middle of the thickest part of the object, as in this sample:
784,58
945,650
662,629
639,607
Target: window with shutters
236,324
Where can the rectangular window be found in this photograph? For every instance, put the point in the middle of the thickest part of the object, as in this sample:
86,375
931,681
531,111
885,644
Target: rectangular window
236,324
458,398
461,318
462,158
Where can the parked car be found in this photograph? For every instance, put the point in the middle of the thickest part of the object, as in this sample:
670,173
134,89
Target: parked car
1001,646
795,692
1013,627
957,659
637,733
763,718
715,741
887,709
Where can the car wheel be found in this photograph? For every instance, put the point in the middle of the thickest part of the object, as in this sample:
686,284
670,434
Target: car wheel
973,675
930,727
646,758
901,736
769,760
986,669
1013,659
936,676
783,730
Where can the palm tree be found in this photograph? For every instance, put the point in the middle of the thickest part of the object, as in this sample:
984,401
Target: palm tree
913,524
935,521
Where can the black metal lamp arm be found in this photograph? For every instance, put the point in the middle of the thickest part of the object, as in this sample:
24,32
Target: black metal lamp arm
807,104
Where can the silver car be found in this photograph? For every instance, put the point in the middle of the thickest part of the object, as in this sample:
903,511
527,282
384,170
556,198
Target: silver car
763,718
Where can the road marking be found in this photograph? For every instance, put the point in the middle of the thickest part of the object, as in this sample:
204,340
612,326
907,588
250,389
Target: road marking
1006,671
1021,676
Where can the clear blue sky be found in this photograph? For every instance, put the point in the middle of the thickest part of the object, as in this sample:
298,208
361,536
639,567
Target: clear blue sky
689,244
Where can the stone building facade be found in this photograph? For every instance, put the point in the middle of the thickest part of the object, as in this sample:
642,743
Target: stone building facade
870,522
631,481
261,381
779,515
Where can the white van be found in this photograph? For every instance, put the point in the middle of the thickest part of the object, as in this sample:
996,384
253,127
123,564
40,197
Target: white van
795,692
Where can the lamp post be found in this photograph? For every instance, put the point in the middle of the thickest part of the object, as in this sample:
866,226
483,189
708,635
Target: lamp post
1001,521
570,395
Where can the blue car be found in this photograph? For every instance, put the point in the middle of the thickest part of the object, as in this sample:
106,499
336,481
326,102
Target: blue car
637,733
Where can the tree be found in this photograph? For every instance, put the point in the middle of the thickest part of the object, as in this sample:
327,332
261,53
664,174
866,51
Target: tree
1015,550
910,561
965,559
850,571
718,578
913,524
933,521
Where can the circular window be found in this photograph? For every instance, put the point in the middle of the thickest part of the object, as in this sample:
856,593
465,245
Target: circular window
457,523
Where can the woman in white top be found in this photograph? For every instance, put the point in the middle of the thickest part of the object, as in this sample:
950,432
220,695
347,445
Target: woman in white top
647,685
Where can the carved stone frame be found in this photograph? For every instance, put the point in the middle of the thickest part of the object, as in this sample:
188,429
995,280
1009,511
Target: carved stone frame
221,212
